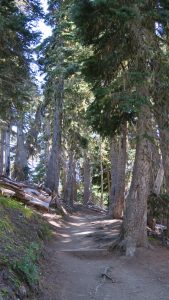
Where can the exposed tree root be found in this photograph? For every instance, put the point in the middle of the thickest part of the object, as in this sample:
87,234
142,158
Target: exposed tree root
128,248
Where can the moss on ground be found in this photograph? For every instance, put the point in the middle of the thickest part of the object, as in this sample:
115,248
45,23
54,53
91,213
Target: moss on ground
22,232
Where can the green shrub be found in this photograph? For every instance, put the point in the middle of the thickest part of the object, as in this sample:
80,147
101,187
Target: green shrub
45,232
16,205
5,226
26,266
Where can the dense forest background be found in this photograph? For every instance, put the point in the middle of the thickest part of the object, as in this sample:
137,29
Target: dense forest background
97,130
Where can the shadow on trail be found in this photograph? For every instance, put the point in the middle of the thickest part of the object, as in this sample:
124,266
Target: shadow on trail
79,267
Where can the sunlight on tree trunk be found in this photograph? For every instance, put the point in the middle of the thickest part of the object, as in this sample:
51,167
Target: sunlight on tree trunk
54,163
87,178
7,151
118,167
134,229
69,190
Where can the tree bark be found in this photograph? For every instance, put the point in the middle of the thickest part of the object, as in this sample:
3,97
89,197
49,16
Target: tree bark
158,180
108,188
87,178
64,171
21,164
133,232
101,175
74,182
162,116
164,145
69,192
47,134
2,148
161,112
53,170
118,166
7,152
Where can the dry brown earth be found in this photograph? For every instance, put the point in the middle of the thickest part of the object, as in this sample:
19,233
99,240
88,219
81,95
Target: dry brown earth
76,261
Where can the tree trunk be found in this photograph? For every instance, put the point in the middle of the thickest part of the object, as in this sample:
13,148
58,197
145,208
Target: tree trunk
21,164
64,172
68,193
162,117
161,112
2,148
87,179
164,145
53,170
101,175
7,152
158,180
133,232
108,188
118,166
47,134
74,182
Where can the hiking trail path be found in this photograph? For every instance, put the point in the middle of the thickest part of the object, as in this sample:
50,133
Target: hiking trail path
77,265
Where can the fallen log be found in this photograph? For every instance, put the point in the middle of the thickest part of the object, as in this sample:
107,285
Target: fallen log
56,203
28,194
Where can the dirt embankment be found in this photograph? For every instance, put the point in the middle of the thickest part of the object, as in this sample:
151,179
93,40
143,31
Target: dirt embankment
22,232
78,267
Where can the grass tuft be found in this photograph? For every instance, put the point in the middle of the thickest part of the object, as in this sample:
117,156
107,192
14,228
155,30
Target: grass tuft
15,205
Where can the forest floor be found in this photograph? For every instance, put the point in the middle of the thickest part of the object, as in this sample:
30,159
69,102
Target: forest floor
78,267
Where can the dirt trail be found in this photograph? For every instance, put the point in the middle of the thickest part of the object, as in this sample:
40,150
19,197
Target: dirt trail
77,260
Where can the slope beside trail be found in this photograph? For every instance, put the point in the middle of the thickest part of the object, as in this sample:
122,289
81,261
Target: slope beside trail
78,267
